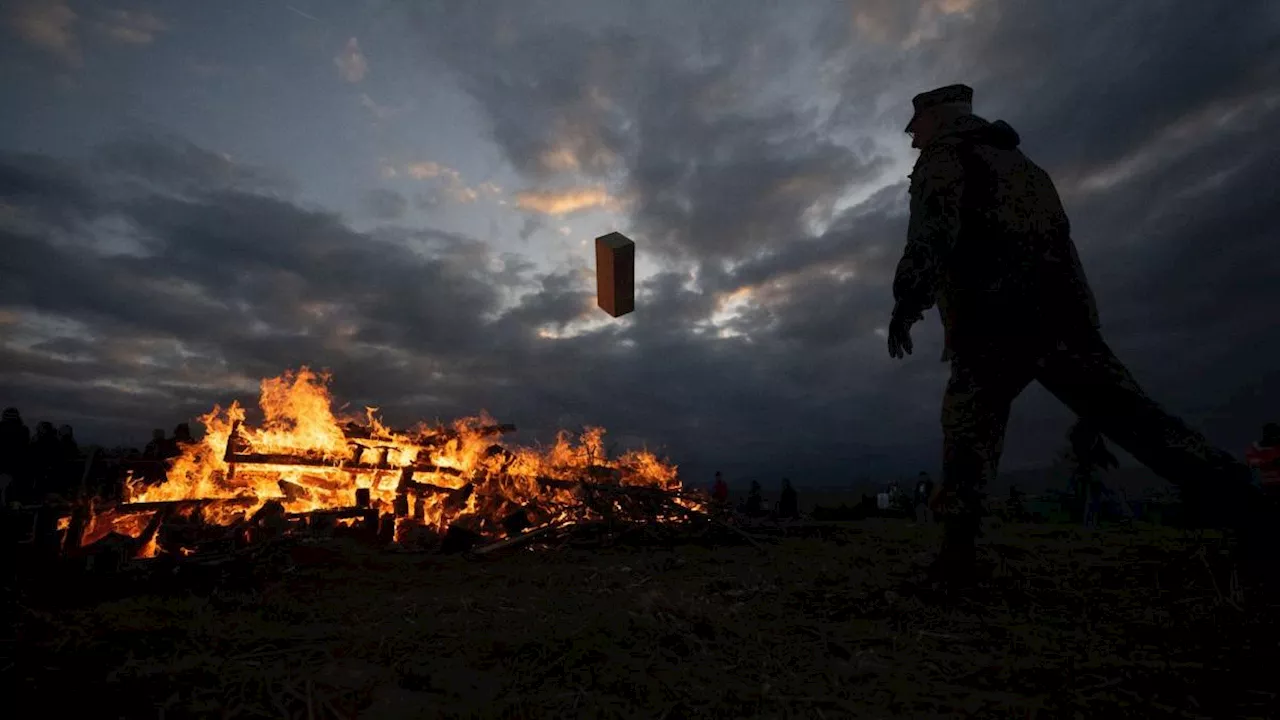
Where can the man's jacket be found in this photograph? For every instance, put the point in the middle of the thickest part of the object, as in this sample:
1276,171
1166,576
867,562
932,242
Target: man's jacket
990,244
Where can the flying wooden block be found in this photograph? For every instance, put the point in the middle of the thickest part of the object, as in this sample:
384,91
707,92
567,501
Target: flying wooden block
615,274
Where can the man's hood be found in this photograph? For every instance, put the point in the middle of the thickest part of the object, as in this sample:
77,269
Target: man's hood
975,129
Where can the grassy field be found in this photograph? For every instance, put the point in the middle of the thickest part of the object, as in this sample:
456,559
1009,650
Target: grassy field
1114,623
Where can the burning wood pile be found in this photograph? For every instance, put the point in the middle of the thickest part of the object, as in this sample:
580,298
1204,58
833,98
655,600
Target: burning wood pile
306,471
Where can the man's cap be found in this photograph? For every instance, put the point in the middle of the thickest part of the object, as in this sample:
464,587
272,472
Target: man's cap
948,95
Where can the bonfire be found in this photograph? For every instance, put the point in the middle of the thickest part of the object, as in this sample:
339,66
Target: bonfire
307,464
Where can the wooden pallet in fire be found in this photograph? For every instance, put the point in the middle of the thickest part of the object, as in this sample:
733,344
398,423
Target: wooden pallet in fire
360,441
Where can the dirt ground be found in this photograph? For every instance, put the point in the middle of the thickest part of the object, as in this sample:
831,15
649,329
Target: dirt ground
1073,624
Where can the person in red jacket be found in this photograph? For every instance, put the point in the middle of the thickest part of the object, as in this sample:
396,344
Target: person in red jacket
720,491
1264,456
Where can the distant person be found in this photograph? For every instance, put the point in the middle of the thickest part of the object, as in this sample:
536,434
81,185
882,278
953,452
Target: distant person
867,508
788,503
924,491
1091,456
899,500
720,491
989,243
1017,509
15,441
155,450
182,436
45,455
69,466
67,444
1264,457
755,500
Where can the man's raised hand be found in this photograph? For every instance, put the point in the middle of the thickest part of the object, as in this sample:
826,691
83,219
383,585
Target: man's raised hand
900,323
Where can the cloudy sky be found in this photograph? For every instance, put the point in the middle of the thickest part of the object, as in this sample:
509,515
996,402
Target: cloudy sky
194,196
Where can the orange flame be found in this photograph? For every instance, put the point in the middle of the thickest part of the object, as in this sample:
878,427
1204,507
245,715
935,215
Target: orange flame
308,458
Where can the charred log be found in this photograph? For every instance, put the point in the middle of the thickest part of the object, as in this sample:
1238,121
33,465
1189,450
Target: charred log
293,491
517,522
458,539
269,521
422,488
386,529
456,500
603,473
516,540
109,554
150,532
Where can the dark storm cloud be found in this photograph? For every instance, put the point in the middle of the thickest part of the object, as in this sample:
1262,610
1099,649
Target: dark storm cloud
174,164
233,279
1092,80
47,189
1210,281
386,204
712,174
560,299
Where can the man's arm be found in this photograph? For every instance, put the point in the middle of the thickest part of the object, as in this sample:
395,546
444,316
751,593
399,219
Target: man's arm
937,186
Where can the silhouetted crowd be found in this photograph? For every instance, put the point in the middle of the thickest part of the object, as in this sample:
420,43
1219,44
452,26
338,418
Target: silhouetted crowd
787,506
49,465
39,464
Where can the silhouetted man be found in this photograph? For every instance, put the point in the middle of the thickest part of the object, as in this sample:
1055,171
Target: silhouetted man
46,454
156,448
755,500
1016,509
68,448
898,501
720,491
182,436
15,440
788,503
989,243
1091,456
924,491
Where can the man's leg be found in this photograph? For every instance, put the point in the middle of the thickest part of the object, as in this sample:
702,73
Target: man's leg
975,413
1087,376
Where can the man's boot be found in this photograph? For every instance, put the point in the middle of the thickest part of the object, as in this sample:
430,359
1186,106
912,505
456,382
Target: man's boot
1257,553
956,564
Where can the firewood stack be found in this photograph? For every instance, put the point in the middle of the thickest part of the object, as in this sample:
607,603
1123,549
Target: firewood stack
592,507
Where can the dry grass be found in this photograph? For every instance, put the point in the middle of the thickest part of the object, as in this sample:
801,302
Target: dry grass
1141,623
